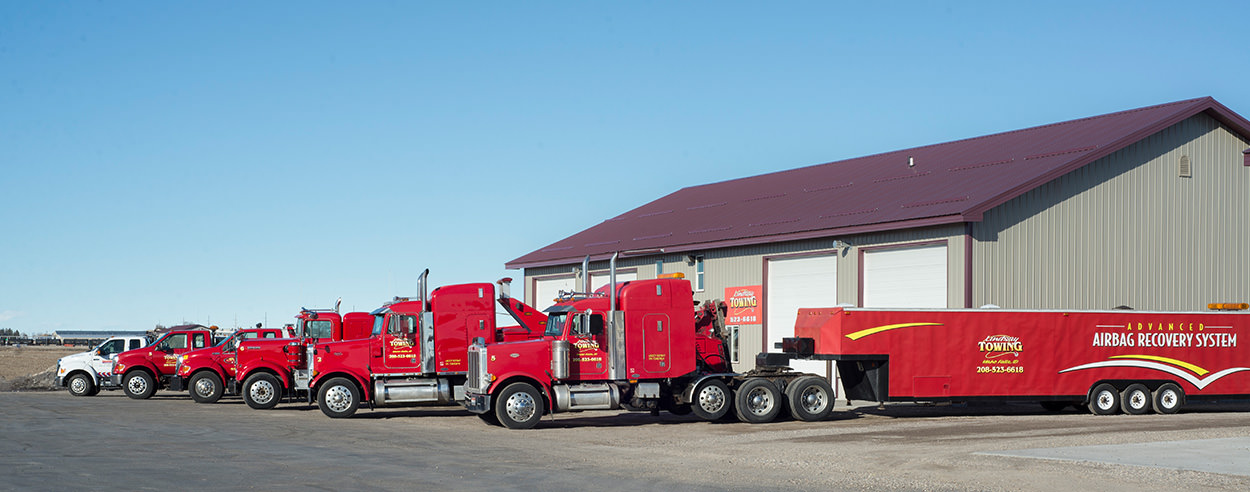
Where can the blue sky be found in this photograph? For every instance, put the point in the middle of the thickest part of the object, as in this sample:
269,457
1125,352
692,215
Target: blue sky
229,162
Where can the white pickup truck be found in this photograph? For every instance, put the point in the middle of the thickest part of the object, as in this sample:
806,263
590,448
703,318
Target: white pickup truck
85,373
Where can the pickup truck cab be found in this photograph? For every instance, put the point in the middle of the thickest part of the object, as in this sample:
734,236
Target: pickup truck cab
207,372
141,372
86,373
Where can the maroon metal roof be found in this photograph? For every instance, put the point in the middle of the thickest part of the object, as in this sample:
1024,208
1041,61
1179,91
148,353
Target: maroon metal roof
945,183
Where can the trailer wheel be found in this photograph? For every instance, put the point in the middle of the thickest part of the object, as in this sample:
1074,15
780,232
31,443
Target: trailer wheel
1104,400
711,400
1169,398
1135,400
81,385
261,391
519,406
810,398
338,398
206,387
757,401
139,385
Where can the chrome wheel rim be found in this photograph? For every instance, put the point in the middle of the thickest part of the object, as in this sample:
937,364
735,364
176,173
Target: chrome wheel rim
760,401
204,387
137,385
521,407
338,399
261,392
813,399
711,398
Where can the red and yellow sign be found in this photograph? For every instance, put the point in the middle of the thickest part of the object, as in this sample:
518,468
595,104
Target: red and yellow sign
745,305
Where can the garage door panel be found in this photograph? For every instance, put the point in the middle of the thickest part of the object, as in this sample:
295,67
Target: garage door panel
905,278
795,283
546,290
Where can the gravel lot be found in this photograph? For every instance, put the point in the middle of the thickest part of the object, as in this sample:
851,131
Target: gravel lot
55,441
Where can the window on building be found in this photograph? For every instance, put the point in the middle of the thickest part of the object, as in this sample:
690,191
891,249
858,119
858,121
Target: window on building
698,273
733,344
659,267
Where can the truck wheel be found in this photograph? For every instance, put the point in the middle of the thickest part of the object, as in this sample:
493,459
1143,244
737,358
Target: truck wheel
711,400
1168,399
262,391
139,385
206,387
338,398
810,398
1135,400
81,385
519,406
1104,400
757,401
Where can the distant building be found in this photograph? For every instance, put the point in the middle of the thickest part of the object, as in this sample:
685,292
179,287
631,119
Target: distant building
92,337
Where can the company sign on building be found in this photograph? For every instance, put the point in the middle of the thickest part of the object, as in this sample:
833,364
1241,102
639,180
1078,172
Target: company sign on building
745,305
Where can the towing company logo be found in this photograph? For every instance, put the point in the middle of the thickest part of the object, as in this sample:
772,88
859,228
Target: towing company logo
400,343
586,344
995,346
1179,368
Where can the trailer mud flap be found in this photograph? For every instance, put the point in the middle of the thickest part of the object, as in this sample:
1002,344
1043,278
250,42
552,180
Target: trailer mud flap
865,379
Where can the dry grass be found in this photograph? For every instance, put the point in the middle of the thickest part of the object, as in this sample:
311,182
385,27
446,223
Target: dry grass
30,368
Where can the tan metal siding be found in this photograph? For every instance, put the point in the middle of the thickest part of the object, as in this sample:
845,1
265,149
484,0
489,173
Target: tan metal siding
1126,230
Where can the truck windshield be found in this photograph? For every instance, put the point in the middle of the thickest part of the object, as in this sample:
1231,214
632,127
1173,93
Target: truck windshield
314,328
555,324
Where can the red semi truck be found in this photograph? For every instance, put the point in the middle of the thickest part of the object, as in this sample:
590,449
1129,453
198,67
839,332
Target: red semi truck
205,370
141,372
636,346
414,354
260,367
1110,361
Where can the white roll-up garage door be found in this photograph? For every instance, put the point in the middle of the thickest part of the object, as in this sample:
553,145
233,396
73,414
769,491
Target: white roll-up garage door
905,277
793,283
546,290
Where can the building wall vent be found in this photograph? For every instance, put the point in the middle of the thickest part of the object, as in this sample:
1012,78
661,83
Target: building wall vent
1185,168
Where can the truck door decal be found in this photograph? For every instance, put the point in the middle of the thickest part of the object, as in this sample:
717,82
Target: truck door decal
656,343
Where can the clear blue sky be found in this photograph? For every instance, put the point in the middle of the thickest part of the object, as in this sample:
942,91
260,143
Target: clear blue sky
229,162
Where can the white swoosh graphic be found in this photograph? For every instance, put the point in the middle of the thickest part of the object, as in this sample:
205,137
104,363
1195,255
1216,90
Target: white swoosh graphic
1199,383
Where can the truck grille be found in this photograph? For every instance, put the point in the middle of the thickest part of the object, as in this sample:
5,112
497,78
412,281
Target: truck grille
478,379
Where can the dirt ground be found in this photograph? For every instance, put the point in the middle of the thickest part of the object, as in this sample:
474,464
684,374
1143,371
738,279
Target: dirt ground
30,367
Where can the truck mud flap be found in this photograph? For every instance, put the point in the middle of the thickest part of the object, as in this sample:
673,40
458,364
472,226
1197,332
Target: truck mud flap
867,380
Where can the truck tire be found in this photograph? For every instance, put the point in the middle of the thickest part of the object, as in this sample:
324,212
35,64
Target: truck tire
81,385
1168,398
810,398
519,406
711,400
139,385
262,391
206,387
1135,400
1104,400
338,398
757,401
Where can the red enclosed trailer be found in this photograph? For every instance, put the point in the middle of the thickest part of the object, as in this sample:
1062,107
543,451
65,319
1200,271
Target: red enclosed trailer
1126,360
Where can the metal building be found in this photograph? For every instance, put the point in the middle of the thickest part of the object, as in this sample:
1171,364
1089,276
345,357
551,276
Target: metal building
1147,208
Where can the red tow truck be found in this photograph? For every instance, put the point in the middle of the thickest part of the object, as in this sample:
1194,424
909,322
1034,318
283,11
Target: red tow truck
1109,361
635,345
415,354
255,363
205,370
142,371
